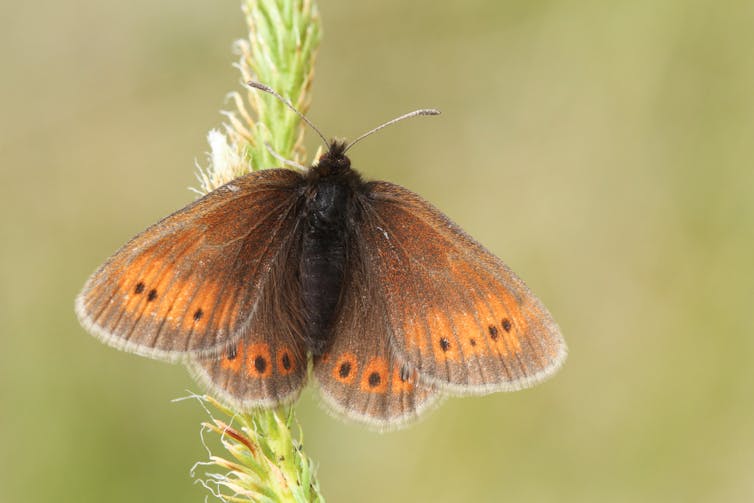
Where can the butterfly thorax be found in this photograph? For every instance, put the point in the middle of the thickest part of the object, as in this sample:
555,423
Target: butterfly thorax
330,188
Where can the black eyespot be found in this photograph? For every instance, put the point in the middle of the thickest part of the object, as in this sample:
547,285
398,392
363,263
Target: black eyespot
405,374
232,351
260,364
151,295
139,287
198,314
493,332
286,361
506,324
345,369
472,342
444,344
374,379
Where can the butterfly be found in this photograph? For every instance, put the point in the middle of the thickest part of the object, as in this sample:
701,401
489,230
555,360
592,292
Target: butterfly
389,303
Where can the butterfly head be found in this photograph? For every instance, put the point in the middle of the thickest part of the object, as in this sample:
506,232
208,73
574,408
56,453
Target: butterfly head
334,167
334,160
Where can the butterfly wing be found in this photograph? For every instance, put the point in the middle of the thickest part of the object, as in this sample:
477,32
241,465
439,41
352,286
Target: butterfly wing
360,377
190,283
268,364
457,313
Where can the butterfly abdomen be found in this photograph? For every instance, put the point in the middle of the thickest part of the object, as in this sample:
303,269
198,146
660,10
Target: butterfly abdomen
323,258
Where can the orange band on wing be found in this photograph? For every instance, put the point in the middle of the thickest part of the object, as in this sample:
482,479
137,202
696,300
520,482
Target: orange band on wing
285,361
234,359
415,333
258,361
345,368
402,380
444,344
375,376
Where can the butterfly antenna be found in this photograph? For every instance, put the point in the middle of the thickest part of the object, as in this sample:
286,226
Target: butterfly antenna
423,111
284,101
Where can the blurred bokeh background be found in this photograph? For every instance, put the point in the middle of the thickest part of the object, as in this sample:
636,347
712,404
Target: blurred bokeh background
605,150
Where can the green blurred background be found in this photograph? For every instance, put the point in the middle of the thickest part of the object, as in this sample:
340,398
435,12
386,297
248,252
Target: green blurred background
605,150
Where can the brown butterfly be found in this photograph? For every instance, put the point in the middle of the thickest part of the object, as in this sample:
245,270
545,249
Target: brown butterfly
392,303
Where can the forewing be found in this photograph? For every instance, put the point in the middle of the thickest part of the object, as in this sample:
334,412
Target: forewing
360,377
458,314
190,283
